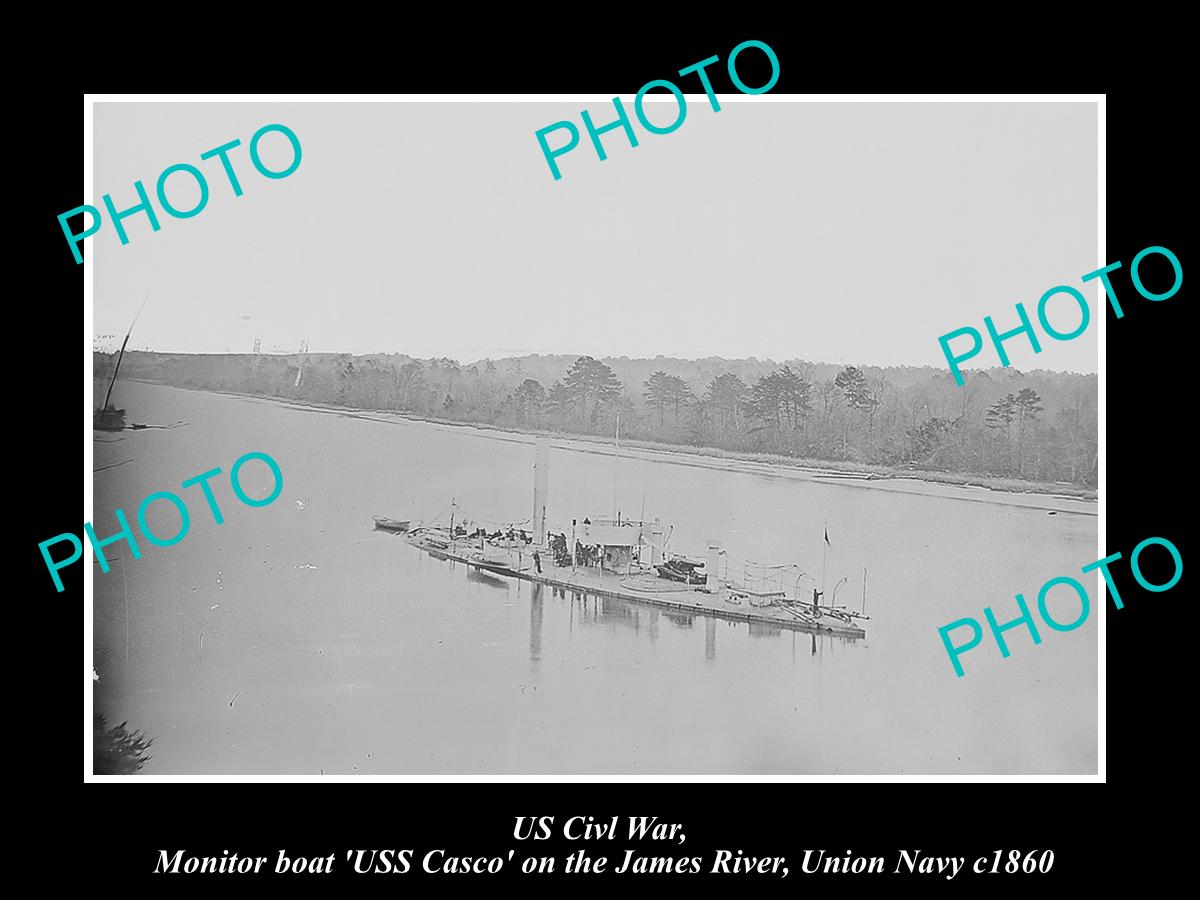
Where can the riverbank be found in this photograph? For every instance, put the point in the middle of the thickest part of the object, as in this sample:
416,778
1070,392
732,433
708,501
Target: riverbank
866,475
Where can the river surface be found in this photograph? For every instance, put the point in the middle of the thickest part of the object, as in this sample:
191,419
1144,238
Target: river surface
295,639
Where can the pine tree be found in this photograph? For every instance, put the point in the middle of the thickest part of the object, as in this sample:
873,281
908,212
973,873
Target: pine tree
860,396
1028,406
726,396
663,391
658,394
529,399
591,385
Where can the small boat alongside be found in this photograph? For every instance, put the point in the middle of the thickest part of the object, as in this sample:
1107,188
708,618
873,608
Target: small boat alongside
486,562
428,538
395,526
682,570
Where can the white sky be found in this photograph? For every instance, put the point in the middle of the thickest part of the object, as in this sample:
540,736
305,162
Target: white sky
831,232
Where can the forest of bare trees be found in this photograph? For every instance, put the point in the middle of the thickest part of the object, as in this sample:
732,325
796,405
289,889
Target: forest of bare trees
1035,426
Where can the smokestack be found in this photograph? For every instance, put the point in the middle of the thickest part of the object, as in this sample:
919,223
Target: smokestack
712,565
541,479
656,543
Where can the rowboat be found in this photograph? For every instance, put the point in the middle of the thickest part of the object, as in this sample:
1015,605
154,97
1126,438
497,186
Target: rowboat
491,562
396,526
681,569
428,538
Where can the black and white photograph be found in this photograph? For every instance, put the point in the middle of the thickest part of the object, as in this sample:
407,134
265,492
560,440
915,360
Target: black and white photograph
422,446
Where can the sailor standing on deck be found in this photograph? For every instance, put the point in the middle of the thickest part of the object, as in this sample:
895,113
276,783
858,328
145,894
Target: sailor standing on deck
817,599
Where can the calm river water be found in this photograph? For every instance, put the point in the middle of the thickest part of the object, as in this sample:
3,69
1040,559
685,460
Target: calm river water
296,639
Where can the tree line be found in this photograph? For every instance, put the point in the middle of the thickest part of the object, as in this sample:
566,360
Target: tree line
1036,426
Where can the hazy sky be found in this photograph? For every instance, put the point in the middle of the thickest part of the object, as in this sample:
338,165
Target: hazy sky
831,232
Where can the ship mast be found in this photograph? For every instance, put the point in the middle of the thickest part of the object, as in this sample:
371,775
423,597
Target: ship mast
824,554
121,355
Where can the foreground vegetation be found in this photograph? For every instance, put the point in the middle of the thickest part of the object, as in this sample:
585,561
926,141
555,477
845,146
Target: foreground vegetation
117,750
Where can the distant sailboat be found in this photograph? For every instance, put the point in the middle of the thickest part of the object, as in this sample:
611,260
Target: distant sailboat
107,418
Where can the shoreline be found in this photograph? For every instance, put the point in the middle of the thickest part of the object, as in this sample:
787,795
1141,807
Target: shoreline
997,489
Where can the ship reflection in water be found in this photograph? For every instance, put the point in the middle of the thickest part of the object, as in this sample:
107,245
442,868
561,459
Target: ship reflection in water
486,578
587,610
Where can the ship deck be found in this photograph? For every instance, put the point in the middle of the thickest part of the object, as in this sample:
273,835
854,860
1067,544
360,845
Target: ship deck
644,587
